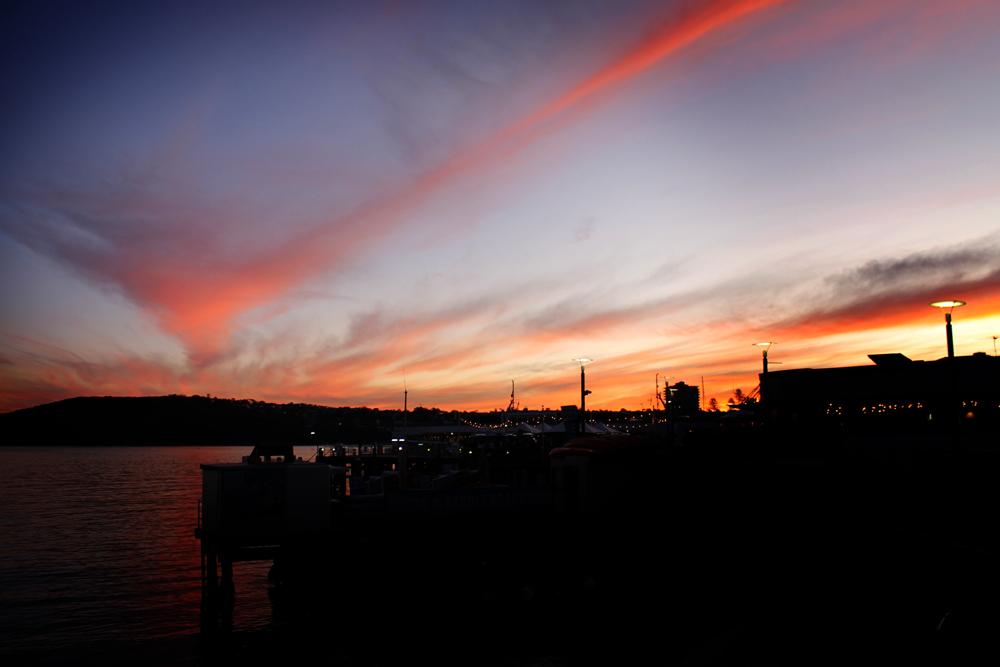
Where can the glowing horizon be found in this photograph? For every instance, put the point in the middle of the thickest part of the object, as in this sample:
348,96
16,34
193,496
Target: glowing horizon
306,204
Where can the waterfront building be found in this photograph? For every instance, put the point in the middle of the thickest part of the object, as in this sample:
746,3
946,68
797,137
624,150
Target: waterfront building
686,399
896,401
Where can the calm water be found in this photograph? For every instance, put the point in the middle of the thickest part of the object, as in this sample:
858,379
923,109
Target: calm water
97,554
99,565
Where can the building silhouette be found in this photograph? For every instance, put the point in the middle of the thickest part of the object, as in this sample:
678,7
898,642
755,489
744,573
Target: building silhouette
686,399
896,402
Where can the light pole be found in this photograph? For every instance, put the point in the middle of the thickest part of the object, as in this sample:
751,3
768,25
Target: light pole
950,305
666,385
401,463
663,400
764,347
583,391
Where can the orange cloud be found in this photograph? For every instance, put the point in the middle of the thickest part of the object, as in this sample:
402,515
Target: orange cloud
689,28
201,298
202,303
39,373
719,351
718,348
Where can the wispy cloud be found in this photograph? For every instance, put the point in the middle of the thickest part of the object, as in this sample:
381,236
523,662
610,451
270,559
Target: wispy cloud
880,292
167,253
38,372
223,267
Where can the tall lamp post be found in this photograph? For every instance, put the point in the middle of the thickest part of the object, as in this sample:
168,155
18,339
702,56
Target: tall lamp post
401,464
660,398
764,347
950,305
583,391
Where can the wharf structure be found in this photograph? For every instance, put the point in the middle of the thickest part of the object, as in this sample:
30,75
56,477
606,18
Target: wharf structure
869,487
895,403
275,507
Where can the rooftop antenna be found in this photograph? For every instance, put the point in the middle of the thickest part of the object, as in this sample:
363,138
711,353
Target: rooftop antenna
666,389
583,389
994,338
401,460
512,406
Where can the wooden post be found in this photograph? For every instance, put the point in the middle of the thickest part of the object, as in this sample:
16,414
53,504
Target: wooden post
213,573
201,543
228,587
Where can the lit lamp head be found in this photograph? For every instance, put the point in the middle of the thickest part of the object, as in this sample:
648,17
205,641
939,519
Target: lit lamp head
764,347
950,305
583,361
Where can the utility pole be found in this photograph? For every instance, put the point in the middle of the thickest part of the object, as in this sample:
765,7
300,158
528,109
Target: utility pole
401,457
583,393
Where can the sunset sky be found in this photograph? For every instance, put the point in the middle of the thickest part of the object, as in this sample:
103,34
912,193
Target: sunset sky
317,202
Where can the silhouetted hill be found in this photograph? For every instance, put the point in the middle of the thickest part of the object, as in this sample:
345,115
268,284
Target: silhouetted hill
188,420
200,420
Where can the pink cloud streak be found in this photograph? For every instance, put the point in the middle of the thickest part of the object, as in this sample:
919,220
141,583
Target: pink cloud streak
201,303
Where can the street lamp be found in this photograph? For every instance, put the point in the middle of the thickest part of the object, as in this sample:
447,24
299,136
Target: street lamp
764,393
666,385
764,347
950,305
583,387
663,400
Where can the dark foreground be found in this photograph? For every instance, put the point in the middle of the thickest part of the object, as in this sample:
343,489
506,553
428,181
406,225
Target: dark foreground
731,558
735,558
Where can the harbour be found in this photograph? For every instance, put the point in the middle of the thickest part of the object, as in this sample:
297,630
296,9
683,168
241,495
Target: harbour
858,514
519,334
702,555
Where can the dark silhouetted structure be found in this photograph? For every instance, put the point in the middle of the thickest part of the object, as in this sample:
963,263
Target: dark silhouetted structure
686,399
905,404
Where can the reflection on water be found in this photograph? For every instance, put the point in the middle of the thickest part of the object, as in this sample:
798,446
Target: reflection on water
99,564
98,548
